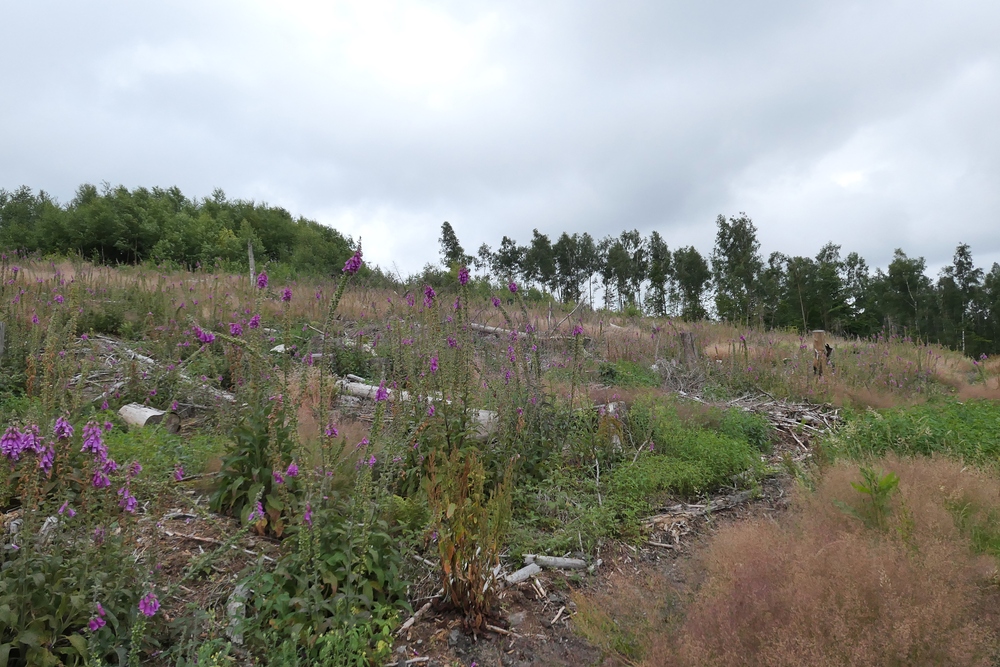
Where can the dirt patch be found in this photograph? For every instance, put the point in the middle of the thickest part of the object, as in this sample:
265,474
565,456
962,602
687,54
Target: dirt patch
609,618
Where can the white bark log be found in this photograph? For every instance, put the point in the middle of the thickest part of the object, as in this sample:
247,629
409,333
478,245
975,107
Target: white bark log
135,414
486,420
523,574
556,562
483,328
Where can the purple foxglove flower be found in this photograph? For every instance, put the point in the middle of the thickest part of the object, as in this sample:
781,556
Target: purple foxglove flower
463,276
352,265
434,364
93,443
62,429
262,280
382,394
496,302
308,516
257,513
45,462
293,470
286,294
10,443
148,605
512,287
205,337
429,295
254,322
235,329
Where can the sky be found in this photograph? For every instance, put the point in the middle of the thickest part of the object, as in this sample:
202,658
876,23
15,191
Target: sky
872,124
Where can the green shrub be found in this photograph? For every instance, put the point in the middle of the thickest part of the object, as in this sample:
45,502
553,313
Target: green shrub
341,576
970,430
160,452
754,429
628,374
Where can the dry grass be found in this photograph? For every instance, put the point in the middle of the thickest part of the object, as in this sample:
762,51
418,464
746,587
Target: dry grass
821,589
883,372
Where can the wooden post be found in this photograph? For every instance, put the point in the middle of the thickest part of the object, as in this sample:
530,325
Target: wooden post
253,269
689,353
819,351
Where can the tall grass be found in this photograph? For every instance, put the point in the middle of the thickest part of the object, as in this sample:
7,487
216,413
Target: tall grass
822,588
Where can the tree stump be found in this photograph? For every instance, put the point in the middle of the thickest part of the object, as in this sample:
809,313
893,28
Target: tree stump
689,353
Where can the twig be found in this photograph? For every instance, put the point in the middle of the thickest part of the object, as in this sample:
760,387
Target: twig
412,619
558,614
663,545
501,631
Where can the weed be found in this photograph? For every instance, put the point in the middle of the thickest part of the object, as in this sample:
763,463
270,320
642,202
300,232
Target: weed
876,489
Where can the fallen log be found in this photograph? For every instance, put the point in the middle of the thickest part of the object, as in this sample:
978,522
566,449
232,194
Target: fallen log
486,420
136,414
484,328
523,574
556,562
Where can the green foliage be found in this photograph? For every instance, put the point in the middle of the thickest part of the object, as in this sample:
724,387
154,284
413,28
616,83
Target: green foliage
49,591
353,358
602,489
262,445
70,548
628,374
736,269
349,645
876,489
745,426
341,577
953,428
118,225
160,452
470,531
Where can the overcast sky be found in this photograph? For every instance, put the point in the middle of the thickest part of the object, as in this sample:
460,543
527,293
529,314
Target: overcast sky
872,124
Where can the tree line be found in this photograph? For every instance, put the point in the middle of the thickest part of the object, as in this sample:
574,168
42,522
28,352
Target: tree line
118,225
830,291
630,272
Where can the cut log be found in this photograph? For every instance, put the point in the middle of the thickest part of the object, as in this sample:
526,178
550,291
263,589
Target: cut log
523,574
556,562
136,414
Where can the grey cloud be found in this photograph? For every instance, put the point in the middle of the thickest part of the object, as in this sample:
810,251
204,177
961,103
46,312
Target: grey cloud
577,116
